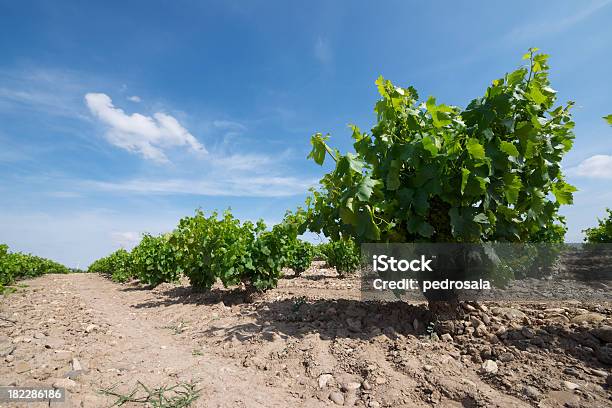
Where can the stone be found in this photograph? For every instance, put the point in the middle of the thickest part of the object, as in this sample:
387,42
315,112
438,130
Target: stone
22,367
428,368
588,318
558,318
6,349
599,373
91,328
508,312
489,367
350,386
604,354
10,358
366,385
447,337
476,322
324,379
337,398
354,324
66,383
373,404
76,365
532,392
72,374
39,335
570,385
603,333
528,332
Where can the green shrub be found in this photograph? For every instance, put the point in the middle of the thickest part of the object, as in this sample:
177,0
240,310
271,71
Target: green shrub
154,260
17,265
602,233
267,255
117,265
344,255
301,254
207,248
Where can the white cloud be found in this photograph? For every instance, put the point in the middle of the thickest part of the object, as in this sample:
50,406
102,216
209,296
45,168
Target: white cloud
142,134
134,98
598,166
232,186
126,240
551,25
323,51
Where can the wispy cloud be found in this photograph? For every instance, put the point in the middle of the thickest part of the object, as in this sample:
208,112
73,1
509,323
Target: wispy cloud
323,50
233,186
134,98
598,166
146,135
553,25
125,239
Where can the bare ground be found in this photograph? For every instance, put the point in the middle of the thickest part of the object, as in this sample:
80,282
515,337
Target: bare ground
311,342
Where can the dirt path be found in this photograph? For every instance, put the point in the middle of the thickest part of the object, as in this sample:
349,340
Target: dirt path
310,342
117,344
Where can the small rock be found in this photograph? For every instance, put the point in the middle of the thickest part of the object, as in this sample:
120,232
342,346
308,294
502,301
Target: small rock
366,385
380,380
506,357
532,392
476,322
599,373
66,383
76,365
337,398
324,379
91,328
72,374
528,332
603,333
428,368
350,386
489,366
588,318
573,372
373,404
39,335
468,308
447,337
10,358
6,349
509,313
22,367
604,354
570,385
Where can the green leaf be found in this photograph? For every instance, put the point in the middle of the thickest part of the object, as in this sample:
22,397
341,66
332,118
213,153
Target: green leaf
365,188
475,149
512,187
509,149
393,181
319,148
465,175
563,192
429,144
608,119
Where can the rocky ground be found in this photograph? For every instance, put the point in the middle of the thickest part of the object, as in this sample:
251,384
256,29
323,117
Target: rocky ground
310,342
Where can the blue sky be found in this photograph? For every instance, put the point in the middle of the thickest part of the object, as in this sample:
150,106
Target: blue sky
118,118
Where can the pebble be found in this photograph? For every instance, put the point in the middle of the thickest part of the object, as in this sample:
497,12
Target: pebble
91,328
599,373
570,385
489,366
447,337
22,367
350,386
588,317
366,385
337,398
532,392
324,379
428,368
66,383
374,404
